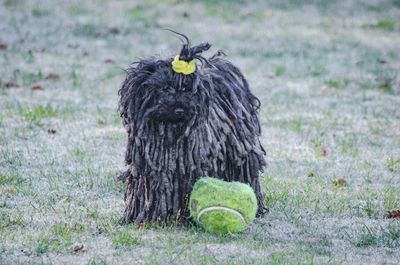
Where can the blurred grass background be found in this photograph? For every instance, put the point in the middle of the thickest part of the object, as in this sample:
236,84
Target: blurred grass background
327,74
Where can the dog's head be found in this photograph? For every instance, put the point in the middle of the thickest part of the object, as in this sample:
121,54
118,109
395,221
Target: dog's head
154,93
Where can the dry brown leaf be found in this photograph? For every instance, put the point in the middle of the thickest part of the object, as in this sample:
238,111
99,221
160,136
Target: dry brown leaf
78,248
393,214
3,46
113,30
11,84
323,151
109,61
37,87
267,13
51,131
52,76
339,182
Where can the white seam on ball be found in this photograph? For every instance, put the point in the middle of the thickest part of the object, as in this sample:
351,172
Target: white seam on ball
211,208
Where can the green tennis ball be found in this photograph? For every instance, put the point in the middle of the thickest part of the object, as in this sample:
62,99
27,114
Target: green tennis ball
222,207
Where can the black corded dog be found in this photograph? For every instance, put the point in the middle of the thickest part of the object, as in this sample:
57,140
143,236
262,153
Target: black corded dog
186,121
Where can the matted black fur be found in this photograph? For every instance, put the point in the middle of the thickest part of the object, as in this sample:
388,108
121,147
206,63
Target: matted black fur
184,127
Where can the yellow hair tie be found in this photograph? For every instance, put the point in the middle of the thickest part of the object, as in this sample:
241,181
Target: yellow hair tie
183,67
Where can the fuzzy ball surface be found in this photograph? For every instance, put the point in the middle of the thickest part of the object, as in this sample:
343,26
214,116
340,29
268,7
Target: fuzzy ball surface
222,207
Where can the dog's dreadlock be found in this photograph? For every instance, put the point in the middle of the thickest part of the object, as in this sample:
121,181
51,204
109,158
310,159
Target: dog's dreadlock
182,127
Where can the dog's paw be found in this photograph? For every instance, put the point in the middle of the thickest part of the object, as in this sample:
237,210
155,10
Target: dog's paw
122,177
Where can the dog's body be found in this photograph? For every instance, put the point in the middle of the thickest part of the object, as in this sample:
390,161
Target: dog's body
184,127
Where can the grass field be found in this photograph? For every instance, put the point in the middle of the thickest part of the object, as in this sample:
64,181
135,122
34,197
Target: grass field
327,74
